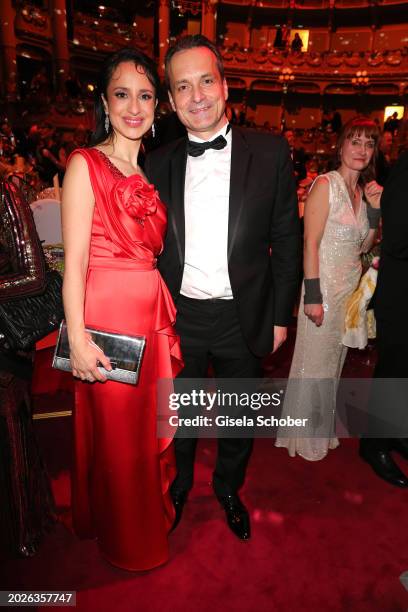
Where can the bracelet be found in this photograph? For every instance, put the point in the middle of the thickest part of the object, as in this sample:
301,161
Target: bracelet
313,295
373,215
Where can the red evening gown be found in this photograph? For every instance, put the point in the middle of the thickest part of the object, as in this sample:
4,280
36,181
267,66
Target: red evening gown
122,471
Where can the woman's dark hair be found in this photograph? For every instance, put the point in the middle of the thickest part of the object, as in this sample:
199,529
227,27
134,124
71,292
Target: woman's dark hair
142,61
356,127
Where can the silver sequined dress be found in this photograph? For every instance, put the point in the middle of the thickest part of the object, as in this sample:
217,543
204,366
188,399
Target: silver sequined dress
319,354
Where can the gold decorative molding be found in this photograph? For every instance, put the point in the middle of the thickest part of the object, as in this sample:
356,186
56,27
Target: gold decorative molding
326,66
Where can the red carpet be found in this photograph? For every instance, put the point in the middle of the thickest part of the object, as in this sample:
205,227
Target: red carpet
326,536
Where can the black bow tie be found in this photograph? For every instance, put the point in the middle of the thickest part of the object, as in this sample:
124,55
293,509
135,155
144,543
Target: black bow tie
195,149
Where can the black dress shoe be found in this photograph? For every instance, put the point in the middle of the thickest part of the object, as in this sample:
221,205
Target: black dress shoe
384,466
179,498
400,445
237,516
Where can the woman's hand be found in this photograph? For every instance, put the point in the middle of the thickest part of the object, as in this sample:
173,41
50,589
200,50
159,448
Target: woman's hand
84,356
373,192
315,313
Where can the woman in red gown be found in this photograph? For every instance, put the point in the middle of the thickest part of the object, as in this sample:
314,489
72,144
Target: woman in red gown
113,226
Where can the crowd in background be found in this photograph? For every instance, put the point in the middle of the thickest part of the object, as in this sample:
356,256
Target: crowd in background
40,151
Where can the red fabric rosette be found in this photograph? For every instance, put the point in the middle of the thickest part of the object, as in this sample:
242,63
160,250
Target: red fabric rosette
135,200
135,197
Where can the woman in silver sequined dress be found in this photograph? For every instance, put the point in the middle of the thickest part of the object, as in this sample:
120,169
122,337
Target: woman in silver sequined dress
339,226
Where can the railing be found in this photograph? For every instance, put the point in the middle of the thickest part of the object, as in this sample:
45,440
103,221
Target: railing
312,4
89,31
104,35
270,61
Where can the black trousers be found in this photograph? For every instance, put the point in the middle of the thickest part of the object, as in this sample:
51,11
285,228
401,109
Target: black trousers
210,333
388,402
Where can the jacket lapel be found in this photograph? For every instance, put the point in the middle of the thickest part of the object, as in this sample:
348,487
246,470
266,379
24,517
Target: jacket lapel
177,180
241,159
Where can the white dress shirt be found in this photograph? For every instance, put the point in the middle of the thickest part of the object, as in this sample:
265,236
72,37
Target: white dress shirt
206,207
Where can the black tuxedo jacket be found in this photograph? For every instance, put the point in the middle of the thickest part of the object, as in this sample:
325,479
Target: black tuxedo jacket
390,299
263,229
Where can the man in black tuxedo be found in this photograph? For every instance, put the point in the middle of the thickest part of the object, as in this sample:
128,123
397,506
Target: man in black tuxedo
231,256
389,401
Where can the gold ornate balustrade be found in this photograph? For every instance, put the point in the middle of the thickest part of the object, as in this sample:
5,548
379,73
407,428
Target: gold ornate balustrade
96,34
33,21
313,4
105,35
380,66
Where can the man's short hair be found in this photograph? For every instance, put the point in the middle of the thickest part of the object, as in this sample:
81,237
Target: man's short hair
192,42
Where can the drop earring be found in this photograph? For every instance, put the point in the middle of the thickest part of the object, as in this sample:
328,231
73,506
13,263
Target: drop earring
153,130
107,123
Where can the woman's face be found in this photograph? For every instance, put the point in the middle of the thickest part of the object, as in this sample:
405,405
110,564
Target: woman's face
130,101
357,152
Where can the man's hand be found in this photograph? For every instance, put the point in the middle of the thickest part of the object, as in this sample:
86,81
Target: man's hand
279,336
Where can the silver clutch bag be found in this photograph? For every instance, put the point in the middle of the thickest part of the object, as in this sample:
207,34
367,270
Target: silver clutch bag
124,352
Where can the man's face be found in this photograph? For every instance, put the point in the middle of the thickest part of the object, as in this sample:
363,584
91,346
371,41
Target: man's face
197,92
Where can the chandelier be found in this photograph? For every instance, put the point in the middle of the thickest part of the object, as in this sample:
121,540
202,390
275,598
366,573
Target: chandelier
361,79
285,77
